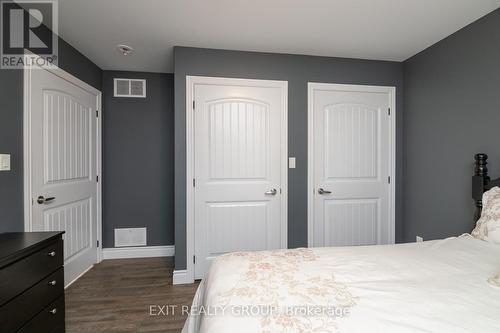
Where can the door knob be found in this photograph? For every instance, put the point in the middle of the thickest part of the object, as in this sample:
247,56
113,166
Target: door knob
321,191
271,192
41,199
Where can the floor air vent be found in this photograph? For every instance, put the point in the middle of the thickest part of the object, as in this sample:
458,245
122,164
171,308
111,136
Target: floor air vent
130,88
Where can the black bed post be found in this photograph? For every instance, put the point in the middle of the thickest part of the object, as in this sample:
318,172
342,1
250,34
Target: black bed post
479,181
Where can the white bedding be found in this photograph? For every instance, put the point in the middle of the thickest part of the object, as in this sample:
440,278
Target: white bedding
435,286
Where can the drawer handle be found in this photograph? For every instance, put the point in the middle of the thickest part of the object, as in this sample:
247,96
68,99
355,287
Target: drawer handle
52,254
53,311
52,283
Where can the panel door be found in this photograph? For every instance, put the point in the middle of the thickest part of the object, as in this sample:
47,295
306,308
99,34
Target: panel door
237,170
351,167
64,167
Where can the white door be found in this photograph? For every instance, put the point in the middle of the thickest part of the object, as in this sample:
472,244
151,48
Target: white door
64,166
351,147
238,153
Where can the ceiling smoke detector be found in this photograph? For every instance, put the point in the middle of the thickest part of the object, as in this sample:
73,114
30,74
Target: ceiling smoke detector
125,49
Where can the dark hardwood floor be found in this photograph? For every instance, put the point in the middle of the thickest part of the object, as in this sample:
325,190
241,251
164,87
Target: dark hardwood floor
116,295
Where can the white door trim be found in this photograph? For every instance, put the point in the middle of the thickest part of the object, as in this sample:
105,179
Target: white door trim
27,145
311,87
191,81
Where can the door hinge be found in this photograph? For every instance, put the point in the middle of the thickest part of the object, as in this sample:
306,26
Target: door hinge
389,179
194,182
194,259
97,113
97,178
194,105
389,111
97,243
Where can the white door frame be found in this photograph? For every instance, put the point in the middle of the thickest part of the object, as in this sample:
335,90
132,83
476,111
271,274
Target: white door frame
27,72
191,81
311,87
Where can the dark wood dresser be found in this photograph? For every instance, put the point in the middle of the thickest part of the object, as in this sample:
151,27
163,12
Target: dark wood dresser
31,282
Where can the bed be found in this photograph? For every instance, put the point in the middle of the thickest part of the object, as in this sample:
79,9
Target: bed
433,286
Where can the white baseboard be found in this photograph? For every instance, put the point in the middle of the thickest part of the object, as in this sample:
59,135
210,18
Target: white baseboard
180,277
138,252
79,276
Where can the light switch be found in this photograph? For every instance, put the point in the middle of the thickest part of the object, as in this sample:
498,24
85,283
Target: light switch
291,162
4,162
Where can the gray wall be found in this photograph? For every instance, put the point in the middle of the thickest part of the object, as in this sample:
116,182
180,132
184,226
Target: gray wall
11,130
11,141
297,70
452,111
138,159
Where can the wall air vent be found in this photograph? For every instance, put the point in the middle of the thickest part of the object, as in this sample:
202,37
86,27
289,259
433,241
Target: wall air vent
130,237
129,88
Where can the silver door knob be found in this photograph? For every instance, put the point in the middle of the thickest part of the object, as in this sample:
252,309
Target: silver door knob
321,191
53,311
271,192
52,254
52,283
41,199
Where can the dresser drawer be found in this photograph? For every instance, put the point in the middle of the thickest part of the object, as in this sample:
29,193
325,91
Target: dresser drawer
23,274
18,311
50,320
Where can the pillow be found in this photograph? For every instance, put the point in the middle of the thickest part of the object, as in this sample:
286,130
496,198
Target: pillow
488,226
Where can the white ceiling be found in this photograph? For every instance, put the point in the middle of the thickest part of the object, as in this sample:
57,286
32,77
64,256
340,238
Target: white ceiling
369,29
